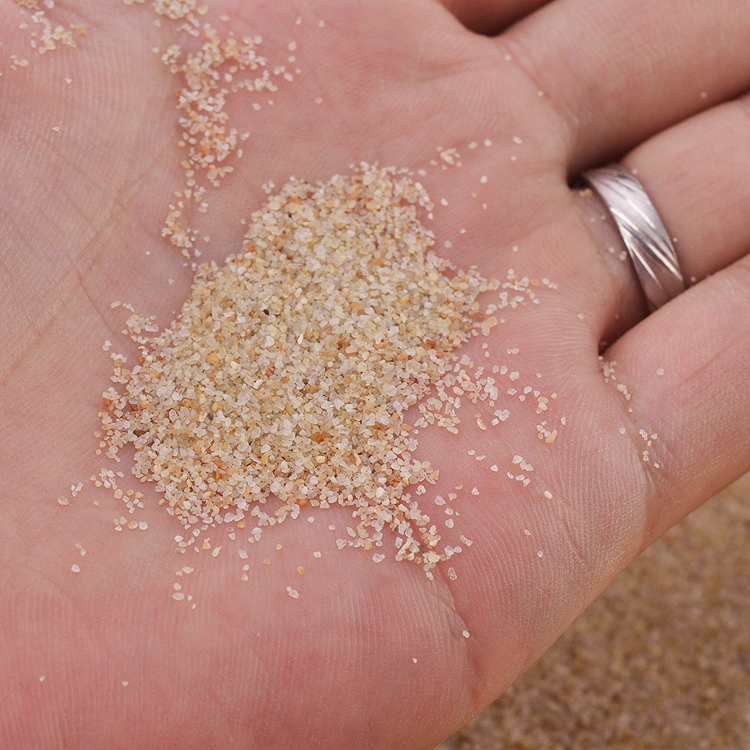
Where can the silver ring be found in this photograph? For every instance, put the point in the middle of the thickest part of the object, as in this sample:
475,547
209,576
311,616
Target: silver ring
644,234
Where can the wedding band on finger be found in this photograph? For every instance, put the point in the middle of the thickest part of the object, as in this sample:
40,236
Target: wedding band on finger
642,230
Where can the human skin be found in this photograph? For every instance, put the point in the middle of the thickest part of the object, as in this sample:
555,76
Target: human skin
369,655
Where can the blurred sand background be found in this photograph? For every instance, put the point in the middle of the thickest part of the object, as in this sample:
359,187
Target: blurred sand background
660,661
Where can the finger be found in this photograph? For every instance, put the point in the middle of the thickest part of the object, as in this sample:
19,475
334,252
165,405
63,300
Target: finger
490,17
697,174
700,171
686,367
619,71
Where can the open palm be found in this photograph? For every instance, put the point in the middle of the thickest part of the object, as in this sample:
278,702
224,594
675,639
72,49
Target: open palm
368,655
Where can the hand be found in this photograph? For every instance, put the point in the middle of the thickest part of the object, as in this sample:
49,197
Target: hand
369,655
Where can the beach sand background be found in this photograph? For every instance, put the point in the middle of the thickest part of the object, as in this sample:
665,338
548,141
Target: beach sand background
660,661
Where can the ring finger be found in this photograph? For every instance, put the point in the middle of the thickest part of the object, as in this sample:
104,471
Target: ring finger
697,174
